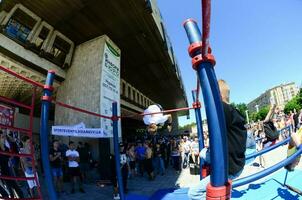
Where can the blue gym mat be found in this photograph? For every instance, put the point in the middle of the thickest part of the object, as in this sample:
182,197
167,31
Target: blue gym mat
272,189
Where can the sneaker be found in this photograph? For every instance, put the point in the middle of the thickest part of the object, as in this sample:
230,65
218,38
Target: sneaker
116,197
72,191
82,191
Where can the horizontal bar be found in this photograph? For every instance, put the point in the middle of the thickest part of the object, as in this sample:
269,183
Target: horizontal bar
161,112
81,110
268,171
7,100
17,178
15,129
15,154
21,77
263,151
36,198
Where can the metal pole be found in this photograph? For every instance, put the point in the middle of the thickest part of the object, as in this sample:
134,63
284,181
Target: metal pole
199,129
214,111
247,116
44,133
117,151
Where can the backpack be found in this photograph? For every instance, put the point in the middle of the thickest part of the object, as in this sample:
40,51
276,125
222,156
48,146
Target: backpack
270,131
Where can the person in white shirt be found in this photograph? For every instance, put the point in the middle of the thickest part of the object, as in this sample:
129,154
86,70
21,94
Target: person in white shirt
158,118
73,165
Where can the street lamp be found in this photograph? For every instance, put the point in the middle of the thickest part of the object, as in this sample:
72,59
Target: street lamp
257,108
247,116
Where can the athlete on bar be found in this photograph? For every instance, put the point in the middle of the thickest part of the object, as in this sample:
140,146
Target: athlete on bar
236,139
153,121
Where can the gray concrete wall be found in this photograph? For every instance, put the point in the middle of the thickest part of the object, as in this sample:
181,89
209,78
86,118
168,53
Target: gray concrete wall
81,87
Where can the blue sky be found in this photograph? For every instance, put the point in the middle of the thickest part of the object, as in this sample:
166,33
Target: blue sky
257,44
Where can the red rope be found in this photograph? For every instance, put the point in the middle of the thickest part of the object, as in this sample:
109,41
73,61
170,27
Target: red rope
17,178
21,77
165,111
15,154
11,101
81,110
15,129
206,18
37,198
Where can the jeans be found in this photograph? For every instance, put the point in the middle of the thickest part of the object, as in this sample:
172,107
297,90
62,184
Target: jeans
198,192
159,165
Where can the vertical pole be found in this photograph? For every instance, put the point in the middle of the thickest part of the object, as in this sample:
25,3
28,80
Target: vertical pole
247,116
214,111
199,128
117,151
44,133
32,150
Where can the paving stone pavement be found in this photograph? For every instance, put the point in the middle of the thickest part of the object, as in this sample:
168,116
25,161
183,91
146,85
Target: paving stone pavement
142,186
136,185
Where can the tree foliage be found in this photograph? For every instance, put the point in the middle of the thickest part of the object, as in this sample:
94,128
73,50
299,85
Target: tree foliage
242,107
260,115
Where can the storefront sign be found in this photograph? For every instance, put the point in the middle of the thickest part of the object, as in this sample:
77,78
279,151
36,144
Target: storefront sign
110,87
6,115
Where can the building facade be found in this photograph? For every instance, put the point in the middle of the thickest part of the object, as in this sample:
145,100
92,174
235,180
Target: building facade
278,95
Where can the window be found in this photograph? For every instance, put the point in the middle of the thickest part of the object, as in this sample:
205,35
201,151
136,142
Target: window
20,25
59,50
41,37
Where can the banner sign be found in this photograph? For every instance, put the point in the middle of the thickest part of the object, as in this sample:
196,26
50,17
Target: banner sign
110,87
6,115
79,132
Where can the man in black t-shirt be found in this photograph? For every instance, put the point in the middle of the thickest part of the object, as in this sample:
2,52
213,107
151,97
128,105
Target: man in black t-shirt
236,139
56,157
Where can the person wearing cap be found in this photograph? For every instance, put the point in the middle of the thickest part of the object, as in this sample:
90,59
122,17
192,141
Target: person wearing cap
157,118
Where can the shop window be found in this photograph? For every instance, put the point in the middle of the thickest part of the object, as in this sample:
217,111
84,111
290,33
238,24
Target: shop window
19,26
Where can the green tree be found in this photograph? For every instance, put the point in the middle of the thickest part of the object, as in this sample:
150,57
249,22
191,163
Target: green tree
242,107
295,103
260,115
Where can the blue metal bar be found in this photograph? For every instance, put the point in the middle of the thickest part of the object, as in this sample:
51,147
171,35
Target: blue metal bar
253,155
44,134
285,179
199,129
267,171
214,111
117,151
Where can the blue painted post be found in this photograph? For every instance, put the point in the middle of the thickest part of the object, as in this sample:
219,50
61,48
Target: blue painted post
214,111
117,151
199,128
44,134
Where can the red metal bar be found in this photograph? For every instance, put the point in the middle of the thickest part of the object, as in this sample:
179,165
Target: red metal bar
17,178
165,111
11,101
21,77
37,198
81,110
15,129
15,154
206,18
32,150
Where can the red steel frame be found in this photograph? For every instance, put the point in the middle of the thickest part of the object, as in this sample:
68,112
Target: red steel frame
27,131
